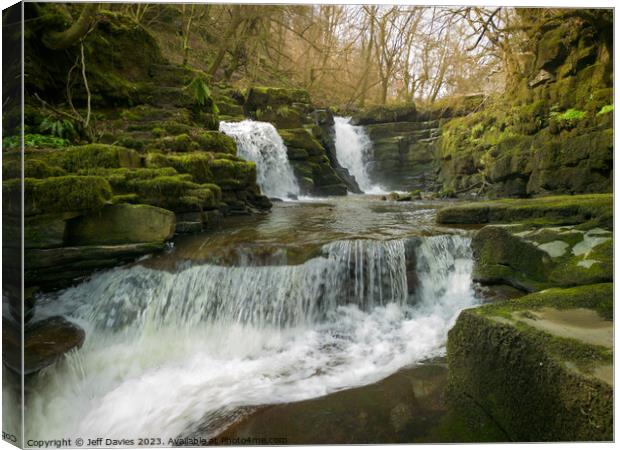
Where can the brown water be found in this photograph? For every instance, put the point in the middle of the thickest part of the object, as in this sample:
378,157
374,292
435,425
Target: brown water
295,231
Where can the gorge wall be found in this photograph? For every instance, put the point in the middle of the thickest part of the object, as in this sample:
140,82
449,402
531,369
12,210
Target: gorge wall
550,132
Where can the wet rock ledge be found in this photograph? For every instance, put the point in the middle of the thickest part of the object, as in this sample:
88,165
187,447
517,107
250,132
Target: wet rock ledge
541,364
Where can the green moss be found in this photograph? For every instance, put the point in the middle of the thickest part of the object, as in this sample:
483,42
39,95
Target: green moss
501,258
58,194
535,386
90,156
196,164
215,141
302,138
230,174
180,143
598,297
282,116
605,110
33,168
598,267
570,115
405,112
596,209
260,97
177,193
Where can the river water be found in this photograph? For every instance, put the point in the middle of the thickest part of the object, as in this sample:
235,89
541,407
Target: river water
310,299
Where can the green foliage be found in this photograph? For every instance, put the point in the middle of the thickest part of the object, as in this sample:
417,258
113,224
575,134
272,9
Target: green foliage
200,91
62,128
571,115
35,141
605,109
477,130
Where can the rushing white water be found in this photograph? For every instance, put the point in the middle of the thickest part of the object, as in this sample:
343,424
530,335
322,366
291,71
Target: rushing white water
353,150
170,353
261,143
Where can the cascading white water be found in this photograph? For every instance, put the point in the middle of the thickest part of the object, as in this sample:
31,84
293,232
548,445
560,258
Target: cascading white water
169,353
261,143
353,150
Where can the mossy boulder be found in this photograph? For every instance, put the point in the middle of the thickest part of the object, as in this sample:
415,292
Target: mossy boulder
532,259
501,258
33,168
121,224
56,195
391,113
260,98
222,169
282,116
301,138
217,142
91,156
177,193
535,365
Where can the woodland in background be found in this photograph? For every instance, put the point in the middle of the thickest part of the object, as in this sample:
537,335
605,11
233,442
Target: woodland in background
349,56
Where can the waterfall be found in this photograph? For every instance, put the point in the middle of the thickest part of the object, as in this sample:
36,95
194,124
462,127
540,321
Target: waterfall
169,353
353,150
261,143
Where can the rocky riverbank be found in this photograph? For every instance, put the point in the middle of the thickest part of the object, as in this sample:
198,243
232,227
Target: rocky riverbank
540,365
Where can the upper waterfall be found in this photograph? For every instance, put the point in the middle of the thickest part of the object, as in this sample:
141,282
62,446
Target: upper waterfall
353,150
261,143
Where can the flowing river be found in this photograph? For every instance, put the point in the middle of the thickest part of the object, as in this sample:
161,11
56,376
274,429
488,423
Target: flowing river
314,298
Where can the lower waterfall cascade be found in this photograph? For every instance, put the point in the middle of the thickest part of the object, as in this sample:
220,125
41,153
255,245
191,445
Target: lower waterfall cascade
169,353
260,142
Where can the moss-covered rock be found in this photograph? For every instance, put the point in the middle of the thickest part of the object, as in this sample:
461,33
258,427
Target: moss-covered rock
260,98
56,195
501,258
217,142
390,113
282,117
121,224
301,138
33,168
594,209
538,383
222,169
119,55
89,156
544,135
44,231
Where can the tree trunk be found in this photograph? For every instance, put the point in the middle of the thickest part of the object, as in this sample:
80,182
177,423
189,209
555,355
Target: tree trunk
60,40
236,20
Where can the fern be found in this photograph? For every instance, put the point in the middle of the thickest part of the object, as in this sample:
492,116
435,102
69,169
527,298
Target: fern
200,91
60,128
